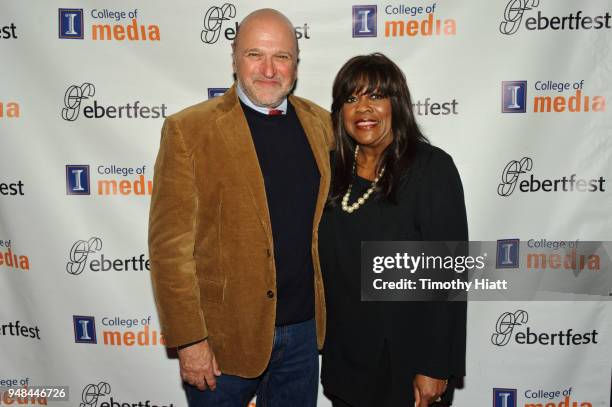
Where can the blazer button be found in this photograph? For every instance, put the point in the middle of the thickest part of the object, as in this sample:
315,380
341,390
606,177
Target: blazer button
270,294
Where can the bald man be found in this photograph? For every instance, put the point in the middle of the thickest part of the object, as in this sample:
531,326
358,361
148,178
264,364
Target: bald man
239,188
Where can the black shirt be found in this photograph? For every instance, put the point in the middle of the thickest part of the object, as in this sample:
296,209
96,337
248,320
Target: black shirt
291,179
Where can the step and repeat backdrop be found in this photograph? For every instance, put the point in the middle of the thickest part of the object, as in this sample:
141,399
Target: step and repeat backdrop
516,91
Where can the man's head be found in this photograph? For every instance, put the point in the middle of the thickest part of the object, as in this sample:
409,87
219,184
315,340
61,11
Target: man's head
265,57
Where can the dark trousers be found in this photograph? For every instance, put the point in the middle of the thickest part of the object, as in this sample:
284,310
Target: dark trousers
291,378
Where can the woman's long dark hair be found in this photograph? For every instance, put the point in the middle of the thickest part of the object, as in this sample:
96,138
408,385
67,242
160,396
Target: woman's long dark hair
366,74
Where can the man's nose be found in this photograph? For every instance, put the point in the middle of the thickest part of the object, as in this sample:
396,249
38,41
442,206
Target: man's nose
268,69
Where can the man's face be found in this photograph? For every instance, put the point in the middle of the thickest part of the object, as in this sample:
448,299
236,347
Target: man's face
265,61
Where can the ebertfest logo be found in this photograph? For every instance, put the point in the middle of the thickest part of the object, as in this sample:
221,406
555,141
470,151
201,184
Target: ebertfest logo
513,15
514,169
7,32
80,253
215,17
504,329
213,22
76,94
515,11
94,393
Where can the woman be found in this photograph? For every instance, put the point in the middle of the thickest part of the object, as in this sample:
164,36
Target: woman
388,184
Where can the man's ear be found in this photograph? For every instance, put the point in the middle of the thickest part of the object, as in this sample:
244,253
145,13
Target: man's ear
234,56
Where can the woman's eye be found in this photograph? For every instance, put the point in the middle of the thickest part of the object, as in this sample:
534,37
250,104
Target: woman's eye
350,99
376,96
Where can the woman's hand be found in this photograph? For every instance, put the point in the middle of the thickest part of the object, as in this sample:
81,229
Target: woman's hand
427,389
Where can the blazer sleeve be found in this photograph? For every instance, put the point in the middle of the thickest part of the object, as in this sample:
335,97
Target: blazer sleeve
442,217
172,220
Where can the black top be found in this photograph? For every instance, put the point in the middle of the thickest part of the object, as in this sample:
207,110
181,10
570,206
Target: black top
291,180
418,337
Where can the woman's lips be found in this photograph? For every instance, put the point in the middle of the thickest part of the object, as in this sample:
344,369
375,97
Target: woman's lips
366,123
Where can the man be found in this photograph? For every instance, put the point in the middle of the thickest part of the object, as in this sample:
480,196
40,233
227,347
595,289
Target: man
240,185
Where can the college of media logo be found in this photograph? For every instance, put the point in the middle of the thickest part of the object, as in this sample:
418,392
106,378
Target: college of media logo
76,94
550,96
81,257
213,22
507,253
504,397
515,11
515,168
113,180
537,398
117,25
99,395
508,321
419,21
364,21
7,32
77,180
71,23
84,329
10,110
21,384
514,96
10,260
117,331
214,92
546,254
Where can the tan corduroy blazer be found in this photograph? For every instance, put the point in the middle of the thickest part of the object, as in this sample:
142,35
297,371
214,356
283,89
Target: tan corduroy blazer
210,240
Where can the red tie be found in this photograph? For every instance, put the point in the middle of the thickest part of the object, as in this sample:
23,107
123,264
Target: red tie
275,112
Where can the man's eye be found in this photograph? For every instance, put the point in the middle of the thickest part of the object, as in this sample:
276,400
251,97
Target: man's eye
284,57
253,54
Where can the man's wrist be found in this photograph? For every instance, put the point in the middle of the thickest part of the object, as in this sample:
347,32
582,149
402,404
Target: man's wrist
190,344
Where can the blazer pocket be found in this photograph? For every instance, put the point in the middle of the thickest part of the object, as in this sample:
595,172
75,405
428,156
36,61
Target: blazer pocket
212,291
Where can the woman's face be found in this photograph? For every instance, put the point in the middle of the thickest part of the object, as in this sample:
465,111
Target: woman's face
367,119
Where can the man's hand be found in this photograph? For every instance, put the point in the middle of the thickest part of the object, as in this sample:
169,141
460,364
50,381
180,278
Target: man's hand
199,366
427,389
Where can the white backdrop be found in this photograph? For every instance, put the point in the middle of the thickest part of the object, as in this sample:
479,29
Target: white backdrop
50,51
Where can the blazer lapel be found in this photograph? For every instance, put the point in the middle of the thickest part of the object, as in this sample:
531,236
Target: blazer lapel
236,133
316,139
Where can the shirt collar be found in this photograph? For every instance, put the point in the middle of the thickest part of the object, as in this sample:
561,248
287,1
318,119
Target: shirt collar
264,110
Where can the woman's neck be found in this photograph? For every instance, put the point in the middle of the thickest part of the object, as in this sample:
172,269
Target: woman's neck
367,162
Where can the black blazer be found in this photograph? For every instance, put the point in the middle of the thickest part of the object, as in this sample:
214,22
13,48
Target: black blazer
417,337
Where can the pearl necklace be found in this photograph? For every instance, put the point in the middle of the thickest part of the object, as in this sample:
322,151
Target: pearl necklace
361,200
